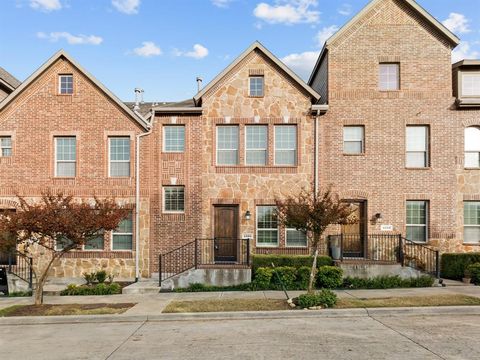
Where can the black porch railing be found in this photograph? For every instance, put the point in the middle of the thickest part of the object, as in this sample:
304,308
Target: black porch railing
222,252
19,265
385,248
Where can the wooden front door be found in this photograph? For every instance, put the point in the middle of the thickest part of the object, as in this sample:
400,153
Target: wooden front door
354,235
226,233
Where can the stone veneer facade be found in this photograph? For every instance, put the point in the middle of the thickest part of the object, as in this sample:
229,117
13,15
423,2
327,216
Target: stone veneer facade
347,79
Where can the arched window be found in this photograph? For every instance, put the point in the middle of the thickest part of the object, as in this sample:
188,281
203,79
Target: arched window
472,147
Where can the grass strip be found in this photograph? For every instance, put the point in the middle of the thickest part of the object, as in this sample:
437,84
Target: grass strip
65,309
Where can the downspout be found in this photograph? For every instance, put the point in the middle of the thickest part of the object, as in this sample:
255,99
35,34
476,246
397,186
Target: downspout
316,140
137,192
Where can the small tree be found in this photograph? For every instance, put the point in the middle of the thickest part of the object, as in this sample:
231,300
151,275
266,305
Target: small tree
312,214
57,219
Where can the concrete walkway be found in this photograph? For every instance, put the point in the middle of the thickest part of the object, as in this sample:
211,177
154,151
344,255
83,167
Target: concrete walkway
153,304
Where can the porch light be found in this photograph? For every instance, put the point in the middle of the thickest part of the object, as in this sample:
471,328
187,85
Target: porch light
378,217
248,215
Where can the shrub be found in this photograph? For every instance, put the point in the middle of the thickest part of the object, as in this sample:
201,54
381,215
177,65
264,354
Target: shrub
90,277
286,275
295,261
474,270
101,276
422,281
329,277
99,289
387,282
263,277
20,293
198,287
325,298
453,266
303,276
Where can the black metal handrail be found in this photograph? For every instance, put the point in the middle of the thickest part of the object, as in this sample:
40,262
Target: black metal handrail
19,265
386,248
204,252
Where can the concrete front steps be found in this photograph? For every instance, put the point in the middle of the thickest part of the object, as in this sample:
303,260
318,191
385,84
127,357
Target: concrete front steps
143,286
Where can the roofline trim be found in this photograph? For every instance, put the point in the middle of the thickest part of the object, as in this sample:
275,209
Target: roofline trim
278,62
61,53
178,109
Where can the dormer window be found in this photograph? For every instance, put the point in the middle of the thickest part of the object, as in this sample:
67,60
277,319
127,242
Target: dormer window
471,84
65,84
256,86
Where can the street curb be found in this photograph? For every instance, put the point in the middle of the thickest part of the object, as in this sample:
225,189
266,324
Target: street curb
247,315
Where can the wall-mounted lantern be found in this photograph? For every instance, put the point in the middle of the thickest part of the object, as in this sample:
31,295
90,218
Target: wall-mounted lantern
248,215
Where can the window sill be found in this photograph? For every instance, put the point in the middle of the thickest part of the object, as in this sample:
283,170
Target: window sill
418,168
348,154
390,91
256,97
173,212
472,168
263,246
471,244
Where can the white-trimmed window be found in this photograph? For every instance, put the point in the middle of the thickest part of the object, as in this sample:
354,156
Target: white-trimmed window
267,226
389,76
119,153
417,220
65,156
471,84
97,243
174,199
5,146
295,238
353,139
62,243
122,236
174,138
256,86
472,147
417,146
471,220
285,145
227,145
65,84
256,145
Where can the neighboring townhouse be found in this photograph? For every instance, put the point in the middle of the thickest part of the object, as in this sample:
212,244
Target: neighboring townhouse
385,119
8,83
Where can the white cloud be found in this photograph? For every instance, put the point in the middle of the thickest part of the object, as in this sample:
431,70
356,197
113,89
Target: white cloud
464,51
288,12
345,10
148,49
126,6
71,39
46,5
457,23
324,34
302,64
198,52
221,3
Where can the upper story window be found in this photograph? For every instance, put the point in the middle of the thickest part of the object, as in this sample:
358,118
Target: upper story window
417,221
65,84
353,139
5,146
65,156
267,226
285,145
471,219
389,77
472,147
256,144
471,84
256,86
174,138
119,153
174,199
122,236
417,146
227,145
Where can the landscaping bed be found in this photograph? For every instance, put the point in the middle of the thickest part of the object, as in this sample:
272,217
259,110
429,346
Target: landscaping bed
232,305
65,309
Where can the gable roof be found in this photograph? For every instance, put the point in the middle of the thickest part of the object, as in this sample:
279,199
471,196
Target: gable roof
8,79
62,54
257,45
450,36
454,40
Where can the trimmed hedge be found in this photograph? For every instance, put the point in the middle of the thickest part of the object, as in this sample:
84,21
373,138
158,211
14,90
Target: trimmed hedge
296,261
325,298
474,271
98,289
453,266
329,277
387,282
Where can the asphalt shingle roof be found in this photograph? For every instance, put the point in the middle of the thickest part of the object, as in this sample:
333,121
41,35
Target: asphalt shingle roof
9,78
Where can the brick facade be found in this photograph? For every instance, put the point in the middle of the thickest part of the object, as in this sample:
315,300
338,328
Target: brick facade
347,79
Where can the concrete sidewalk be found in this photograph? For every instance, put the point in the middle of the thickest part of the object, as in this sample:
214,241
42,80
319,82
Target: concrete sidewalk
153,304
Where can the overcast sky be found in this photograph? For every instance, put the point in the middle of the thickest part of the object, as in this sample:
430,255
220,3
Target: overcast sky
163,45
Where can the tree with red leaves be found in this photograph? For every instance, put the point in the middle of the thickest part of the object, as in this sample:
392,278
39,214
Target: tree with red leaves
312,214
53,221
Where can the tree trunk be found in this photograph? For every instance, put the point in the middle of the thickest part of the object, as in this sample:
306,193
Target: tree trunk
313,272
41,282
